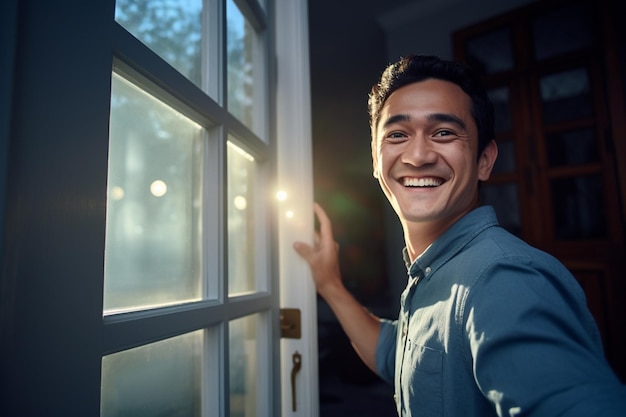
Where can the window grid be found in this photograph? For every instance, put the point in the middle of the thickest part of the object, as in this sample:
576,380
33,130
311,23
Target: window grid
136,63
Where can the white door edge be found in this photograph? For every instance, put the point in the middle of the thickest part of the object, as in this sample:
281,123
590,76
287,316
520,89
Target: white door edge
295,178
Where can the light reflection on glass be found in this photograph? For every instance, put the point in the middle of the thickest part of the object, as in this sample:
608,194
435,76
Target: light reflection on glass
241,236
158,188
281,196
153,235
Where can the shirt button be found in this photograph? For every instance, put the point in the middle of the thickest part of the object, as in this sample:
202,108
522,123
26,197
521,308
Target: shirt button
427,270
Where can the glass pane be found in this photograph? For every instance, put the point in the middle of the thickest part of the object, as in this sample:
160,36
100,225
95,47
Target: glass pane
564,30
506,157
505,201
171,28
502,110
153,235
572,148
243,365
241,39
491,52
565,96
578,204
159,379
241,236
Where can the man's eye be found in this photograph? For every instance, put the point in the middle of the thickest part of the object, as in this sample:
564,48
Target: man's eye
442,133
396,135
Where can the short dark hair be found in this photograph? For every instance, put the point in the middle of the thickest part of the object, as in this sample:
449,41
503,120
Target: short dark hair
414,68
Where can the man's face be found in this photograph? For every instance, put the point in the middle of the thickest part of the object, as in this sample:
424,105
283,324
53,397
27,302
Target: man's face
424,153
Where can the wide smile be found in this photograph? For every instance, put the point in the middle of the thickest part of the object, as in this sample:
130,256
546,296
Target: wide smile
422,182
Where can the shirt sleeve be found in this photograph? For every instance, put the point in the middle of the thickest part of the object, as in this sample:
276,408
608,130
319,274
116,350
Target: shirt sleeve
386,350
535,346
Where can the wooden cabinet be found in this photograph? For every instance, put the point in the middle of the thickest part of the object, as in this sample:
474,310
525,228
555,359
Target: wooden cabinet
552,70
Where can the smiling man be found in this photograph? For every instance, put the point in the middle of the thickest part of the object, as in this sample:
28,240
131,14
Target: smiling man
425,153
488,325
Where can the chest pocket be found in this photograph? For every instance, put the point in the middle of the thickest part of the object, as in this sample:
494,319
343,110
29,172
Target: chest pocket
422,380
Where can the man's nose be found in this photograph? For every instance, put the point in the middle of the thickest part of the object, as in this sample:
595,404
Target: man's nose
419,151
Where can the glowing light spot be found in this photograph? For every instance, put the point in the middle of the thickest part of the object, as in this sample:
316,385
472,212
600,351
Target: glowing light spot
117,193
289,214
158,188
240,202
240,151
281,195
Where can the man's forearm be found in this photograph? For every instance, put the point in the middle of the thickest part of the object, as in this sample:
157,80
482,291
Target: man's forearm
361,326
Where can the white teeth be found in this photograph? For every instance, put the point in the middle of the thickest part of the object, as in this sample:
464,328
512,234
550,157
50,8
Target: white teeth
422,182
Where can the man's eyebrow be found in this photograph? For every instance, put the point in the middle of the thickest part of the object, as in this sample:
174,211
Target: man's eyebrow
396,119
434,117
448,118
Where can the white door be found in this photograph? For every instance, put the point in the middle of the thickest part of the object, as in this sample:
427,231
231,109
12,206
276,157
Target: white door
300,389
150,251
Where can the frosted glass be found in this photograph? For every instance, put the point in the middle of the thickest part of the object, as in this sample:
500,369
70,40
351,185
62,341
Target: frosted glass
154,233
244,366
159,379
171,28
241,236
240,42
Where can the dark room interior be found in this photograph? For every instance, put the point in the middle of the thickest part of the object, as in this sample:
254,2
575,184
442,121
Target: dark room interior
350,43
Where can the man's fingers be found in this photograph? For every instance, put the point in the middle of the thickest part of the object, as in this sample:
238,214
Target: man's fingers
317,239
323,239
326,230
302,249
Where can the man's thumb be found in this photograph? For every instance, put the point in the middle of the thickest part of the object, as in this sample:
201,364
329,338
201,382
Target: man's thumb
302,249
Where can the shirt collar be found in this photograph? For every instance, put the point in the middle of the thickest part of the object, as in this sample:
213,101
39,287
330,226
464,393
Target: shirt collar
451,241
407,258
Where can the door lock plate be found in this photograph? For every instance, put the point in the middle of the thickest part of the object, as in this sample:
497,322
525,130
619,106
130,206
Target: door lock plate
290,323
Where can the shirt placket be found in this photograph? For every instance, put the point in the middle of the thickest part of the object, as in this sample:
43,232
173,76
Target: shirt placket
404,342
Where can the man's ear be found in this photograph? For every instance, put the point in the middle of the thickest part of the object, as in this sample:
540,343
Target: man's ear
487,160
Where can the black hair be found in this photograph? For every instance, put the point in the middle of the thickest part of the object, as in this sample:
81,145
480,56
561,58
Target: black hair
414,68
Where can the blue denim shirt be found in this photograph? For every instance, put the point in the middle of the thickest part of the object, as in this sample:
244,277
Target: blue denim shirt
489,325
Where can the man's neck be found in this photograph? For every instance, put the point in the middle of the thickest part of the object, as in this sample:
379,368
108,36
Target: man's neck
418,236
418,239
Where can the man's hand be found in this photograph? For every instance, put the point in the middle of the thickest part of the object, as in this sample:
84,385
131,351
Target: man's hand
323,256
361,327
